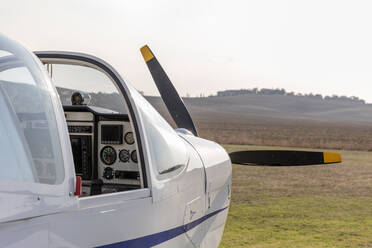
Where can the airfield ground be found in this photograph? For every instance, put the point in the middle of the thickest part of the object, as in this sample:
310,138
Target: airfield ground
311,206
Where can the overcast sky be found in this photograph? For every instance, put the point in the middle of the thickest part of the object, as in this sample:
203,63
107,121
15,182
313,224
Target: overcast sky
205,46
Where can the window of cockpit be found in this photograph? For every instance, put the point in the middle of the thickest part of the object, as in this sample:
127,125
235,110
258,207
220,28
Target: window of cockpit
70,78
29,140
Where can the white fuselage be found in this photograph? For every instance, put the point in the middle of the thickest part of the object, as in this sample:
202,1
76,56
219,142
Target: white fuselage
185,213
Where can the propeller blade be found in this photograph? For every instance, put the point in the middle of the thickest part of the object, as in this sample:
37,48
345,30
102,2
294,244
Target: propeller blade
284,158
172,100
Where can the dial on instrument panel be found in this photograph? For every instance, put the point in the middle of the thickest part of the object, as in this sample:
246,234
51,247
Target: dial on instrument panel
133,156
129,138
124,155
108,173
108,155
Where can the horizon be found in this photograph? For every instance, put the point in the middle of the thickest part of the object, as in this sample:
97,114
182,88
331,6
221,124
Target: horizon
287,93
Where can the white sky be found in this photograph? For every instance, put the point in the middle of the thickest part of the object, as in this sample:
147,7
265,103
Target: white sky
303,46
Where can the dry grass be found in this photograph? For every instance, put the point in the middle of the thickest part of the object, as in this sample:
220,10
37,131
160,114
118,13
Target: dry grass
308,206
351,178
307,134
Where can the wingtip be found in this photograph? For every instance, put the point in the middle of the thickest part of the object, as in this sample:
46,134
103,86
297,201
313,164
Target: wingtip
330,157
146,53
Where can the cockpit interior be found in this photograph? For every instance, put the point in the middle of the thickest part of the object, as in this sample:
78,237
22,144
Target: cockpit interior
103,141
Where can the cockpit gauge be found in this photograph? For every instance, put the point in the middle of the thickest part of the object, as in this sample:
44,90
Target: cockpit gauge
108,173
133,156
129,138
108,155
124,155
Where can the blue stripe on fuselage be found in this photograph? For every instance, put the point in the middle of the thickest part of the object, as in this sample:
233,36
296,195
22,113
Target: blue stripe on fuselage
158,238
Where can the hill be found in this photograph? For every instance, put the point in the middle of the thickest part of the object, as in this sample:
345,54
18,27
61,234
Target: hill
276,106
280,120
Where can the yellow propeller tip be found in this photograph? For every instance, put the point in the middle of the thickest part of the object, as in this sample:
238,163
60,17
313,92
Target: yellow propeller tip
330,157
146,53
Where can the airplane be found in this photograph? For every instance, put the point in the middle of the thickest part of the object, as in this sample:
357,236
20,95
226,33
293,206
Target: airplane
77,174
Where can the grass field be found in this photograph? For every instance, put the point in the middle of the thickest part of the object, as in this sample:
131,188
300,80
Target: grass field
275,132
310,206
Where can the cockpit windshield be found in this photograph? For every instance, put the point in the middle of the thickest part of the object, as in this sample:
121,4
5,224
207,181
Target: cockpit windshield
77,78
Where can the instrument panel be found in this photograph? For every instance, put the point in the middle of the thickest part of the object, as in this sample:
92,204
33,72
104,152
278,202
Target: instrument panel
116,145
104,150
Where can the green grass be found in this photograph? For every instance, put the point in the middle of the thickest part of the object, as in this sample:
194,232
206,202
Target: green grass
312,206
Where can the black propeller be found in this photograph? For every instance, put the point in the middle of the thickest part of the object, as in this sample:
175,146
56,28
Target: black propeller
283,158
182,118
172,100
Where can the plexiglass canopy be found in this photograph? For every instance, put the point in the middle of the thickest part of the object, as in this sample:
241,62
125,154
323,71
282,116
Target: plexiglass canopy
29,142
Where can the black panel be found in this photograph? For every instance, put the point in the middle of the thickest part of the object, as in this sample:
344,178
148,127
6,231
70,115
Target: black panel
112,134
134,175
82,153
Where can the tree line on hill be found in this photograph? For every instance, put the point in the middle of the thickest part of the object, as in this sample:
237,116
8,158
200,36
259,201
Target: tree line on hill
114,102
265,91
